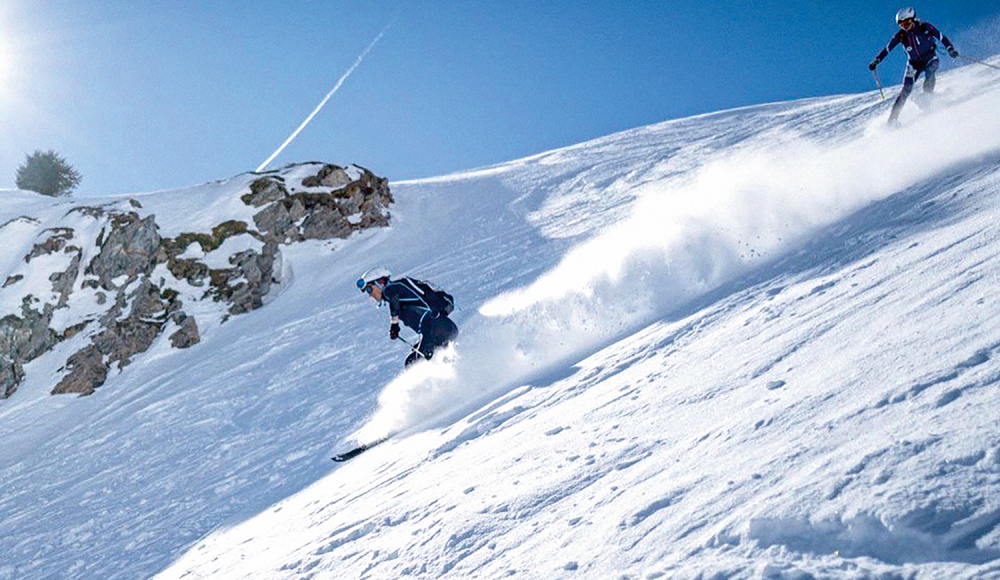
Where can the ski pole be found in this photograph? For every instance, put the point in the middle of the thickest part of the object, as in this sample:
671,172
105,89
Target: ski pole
978,62
878,83
413,347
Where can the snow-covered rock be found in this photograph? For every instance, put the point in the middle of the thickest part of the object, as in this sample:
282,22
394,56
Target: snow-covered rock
104,271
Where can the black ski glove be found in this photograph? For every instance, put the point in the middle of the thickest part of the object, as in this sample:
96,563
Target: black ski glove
394,331
874,63
952,52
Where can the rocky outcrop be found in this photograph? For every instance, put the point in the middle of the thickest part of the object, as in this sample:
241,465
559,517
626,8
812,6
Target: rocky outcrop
56,241
187,335
136,284
11,375
25,337
22,339
248,281
319,215
87,371
130,248
333,177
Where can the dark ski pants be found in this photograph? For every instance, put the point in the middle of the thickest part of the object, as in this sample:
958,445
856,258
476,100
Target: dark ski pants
434,334
912,73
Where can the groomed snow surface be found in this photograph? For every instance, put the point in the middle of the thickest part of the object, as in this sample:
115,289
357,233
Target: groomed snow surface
762,343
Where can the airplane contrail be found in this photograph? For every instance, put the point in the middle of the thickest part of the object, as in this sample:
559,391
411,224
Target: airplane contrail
343,78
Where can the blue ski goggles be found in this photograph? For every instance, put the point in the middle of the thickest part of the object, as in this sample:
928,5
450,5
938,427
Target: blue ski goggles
364,286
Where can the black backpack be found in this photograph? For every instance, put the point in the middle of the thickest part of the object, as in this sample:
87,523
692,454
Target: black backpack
439,301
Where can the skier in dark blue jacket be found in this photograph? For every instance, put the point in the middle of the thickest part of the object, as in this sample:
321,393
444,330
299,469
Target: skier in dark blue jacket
920,41
416,304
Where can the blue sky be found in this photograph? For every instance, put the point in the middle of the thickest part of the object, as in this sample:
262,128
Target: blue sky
141,95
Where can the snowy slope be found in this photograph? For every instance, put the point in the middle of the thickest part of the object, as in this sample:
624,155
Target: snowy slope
760,343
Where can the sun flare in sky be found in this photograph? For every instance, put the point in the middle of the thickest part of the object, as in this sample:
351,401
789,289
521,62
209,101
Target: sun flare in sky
8,54
6,66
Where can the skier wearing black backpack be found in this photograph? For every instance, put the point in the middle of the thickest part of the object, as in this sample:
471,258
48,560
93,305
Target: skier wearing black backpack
416,304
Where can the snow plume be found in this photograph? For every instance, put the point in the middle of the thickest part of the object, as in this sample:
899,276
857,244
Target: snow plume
412,397
981,41
488,358
335,88
757,201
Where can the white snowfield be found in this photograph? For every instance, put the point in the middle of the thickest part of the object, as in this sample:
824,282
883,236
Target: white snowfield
763,343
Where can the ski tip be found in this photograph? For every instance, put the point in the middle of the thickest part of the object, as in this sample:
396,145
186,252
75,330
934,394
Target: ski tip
340,458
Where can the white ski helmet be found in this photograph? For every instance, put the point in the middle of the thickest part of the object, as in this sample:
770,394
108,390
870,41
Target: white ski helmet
907,13
371,276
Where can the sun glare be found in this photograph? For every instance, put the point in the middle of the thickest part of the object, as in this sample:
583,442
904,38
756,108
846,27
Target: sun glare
12,54
6,52
6,66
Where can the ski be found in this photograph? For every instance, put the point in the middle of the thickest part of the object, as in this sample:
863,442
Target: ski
359,450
